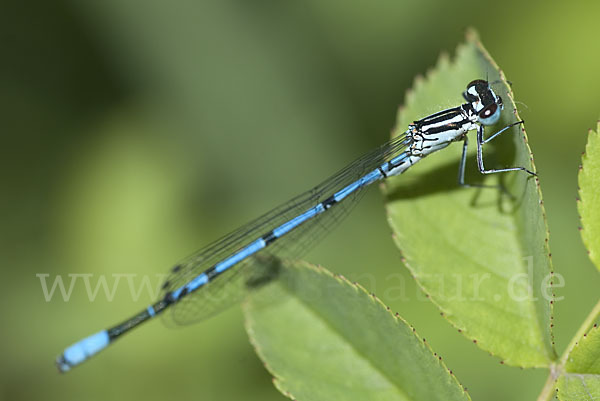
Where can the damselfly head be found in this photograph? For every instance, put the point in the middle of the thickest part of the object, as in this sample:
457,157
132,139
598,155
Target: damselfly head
476,90
486,104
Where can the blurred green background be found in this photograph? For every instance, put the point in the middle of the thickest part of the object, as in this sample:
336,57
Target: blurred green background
135,132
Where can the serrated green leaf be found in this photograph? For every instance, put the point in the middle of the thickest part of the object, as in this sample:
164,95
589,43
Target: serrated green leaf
589,194
480,255
581,378
324,338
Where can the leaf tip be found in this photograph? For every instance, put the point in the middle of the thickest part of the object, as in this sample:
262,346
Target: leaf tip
471,34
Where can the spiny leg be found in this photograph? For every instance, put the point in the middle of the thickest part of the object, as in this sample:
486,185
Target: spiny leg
501,131
481,141
461,170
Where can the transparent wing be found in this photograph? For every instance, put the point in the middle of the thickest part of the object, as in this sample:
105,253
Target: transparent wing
230,286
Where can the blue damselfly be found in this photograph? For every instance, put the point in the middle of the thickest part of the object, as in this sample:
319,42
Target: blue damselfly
211,278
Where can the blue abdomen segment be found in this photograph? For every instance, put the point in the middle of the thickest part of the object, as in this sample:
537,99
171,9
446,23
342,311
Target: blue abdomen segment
82,350
296,221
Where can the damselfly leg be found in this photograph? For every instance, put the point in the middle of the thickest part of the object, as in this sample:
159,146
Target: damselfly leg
480,142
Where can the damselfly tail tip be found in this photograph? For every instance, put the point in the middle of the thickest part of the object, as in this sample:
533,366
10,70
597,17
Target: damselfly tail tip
61,364
82,350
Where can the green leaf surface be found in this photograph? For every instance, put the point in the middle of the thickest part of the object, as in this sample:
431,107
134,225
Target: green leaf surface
589,196
480,254
581,378
324,338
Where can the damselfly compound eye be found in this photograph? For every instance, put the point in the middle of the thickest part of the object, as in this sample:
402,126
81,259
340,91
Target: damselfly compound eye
478,83
488,111
489,115
475,89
